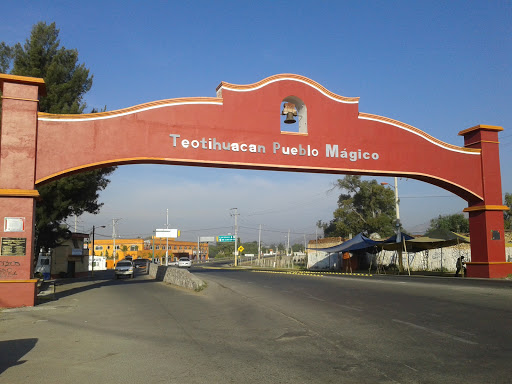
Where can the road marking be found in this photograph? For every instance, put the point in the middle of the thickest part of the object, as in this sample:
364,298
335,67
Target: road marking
348,307
415,370
435,332
315,298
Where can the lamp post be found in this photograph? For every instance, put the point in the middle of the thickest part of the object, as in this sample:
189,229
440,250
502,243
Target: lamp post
398,233
92,266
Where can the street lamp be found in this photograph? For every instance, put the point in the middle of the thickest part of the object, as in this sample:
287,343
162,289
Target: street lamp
93,229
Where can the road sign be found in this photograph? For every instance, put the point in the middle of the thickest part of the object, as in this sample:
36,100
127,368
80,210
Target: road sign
225,239
240,249
206,239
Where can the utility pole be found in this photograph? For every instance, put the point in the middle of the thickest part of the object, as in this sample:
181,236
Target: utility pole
114,222
396,201
259,247
397,224
92,262
288,246
154,234
167,239
236,234
316,242
305,252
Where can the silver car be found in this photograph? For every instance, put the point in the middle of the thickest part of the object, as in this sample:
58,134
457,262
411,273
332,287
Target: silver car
184,262
124,268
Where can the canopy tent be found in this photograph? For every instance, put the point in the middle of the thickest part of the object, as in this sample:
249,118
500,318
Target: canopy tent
358,242
408,243
437,239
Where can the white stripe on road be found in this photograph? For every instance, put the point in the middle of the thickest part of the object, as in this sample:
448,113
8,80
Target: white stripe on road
435,332
348,307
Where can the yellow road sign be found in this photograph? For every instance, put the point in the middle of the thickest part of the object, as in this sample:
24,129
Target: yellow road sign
240,249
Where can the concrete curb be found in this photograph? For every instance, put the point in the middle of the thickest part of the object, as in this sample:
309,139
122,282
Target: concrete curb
176,276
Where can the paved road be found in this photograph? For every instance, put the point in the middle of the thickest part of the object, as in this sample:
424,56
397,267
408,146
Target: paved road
267,328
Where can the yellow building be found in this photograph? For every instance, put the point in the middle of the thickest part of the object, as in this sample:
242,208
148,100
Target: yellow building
140,248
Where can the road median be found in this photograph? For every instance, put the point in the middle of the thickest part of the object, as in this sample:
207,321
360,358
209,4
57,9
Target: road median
176,276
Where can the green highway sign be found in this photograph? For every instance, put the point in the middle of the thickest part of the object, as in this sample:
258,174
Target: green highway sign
225,239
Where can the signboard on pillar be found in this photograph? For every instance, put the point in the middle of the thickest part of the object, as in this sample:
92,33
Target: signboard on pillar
13,246
14,224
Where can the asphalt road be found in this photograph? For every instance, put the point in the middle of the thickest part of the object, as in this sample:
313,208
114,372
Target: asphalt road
249,327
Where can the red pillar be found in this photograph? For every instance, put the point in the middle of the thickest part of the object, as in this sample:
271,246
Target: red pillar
486,224
18,141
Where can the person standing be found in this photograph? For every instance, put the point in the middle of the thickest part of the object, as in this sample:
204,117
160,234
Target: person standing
460,266
346,262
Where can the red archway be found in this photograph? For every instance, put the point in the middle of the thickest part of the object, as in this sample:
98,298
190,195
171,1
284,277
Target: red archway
240,128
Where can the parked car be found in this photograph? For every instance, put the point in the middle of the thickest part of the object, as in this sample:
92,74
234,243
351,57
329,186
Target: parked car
141,263
123,268
184,262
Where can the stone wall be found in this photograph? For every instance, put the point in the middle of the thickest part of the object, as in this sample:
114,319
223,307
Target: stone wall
176,276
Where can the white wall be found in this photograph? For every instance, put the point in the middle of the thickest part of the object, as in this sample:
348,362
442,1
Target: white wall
420,261
100,263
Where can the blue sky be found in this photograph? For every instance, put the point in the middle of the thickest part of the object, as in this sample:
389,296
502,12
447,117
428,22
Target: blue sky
441,66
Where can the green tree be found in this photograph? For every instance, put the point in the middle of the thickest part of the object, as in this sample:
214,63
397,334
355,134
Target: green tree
221,250
66,81
508,214
455,223
250,247
362,206
5,57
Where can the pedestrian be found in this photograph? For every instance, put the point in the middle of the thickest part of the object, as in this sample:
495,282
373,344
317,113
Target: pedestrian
346,262
460,266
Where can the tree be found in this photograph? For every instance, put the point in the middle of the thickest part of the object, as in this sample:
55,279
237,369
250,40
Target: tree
455,223
222,250
362,206
508,214
5,57
66,81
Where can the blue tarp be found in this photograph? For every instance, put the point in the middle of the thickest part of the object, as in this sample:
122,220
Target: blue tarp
360,241
403,236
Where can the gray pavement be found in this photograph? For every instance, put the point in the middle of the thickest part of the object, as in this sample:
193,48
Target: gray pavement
248,327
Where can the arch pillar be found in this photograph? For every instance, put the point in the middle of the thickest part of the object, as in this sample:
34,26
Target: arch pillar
486,224
18,139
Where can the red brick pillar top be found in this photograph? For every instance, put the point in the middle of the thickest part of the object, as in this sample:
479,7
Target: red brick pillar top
485,137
